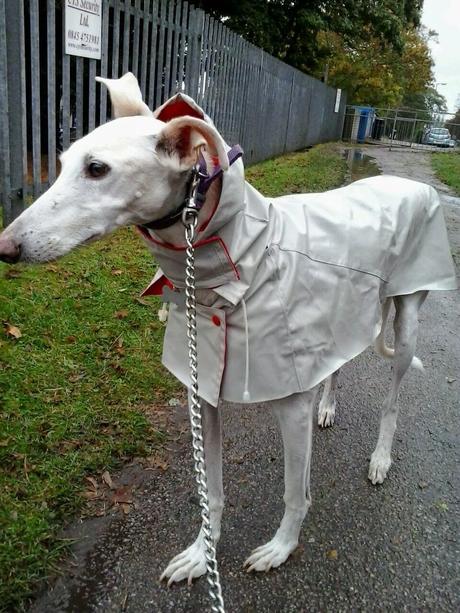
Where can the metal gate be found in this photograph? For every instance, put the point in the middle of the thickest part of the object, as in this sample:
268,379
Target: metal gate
413,128
51,98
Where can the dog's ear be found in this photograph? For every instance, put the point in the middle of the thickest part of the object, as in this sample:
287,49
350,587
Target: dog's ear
178,106
184,138
126,96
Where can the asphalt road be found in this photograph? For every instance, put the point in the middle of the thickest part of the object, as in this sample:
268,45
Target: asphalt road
396,545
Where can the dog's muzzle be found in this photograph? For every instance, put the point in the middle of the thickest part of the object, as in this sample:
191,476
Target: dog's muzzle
10,251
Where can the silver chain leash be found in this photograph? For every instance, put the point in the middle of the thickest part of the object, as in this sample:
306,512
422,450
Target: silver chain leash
190,219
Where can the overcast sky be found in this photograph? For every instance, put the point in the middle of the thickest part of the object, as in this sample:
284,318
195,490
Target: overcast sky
444,17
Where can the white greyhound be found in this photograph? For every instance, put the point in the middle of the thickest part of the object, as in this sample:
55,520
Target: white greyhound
136,170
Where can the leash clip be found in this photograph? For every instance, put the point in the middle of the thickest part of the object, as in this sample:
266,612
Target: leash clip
190,215
195,200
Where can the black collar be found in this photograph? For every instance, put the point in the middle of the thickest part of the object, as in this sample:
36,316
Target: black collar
171,218
204,181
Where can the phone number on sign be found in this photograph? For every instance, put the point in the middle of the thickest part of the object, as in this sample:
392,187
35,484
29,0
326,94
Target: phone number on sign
83,37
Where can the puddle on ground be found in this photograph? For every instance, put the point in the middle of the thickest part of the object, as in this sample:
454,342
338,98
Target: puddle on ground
360,165
452,200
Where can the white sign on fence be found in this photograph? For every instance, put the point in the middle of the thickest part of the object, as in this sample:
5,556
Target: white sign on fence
83,28
337,100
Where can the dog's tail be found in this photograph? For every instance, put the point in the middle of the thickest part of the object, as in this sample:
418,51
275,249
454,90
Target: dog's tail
380,346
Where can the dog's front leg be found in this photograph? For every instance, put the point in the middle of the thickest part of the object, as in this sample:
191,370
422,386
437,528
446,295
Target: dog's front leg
191,563
295,415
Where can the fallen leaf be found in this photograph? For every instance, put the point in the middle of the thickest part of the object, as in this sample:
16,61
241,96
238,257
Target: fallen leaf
122,495
71,339
73,378
90,494
107,479
93,482
12,331
332,554
298,552
157,462
12,273
442,506
70,444
116,271
121,314
126,508
117,368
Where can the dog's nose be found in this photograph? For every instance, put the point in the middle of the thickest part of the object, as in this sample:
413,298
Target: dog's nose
10,251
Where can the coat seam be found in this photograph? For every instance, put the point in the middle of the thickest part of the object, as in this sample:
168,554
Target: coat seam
365,272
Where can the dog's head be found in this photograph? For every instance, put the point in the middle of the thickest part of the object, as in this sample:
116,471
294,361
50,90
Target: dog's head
131,170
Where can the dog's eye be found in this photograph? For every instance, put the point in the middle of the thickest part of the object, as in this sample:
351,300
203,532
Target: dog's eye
97,169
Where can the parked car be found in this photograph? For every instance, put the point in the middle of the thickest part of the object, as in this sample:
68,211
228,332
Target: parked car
440,137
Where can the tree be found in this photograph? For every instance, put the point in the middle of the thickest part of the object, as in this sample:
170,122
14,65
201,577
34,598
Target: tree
453,124
428,102
377,74
288,29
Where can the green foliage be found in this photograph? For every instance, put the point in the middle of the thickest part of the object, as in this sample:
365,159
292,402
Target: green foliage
71,386
374,50
453,125
376,74
429,102
288,29
447,168
316,170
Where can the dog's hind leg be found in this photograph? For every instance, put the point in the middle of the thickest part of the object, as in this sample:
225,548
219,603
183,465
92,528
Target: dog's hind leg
191,563
406,329
327,404
295,416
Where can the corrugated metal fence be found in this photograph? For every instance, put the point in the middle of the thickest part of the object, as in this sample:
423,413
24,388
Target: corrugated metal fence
49,98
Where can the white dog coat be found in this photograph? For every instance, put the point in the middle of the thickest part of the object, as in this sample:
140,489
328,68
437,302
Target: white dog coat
291,288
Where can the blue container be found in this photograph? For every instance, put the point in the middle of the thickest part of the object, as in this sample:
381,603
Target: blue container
364,118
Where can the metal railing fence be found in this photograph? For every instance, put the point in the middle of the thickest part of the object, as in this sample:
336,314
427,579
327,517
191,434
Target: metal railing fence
48,98
403,127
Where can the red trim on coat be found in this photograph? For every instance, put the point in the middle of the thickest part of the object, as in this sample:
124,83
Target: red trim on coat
156,288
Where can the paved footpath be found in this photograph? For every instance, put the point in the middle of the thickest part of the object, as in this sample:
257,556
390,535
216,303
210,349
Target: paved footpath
396,545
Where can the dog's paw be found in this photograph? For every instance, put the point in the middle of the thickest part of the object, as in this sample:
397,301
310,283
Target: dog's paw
270,555
326,415
190,564
378,467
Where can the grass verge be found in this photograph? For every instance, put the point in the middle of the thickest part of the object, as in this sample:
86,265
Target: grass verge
315,170
80,354
447,168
